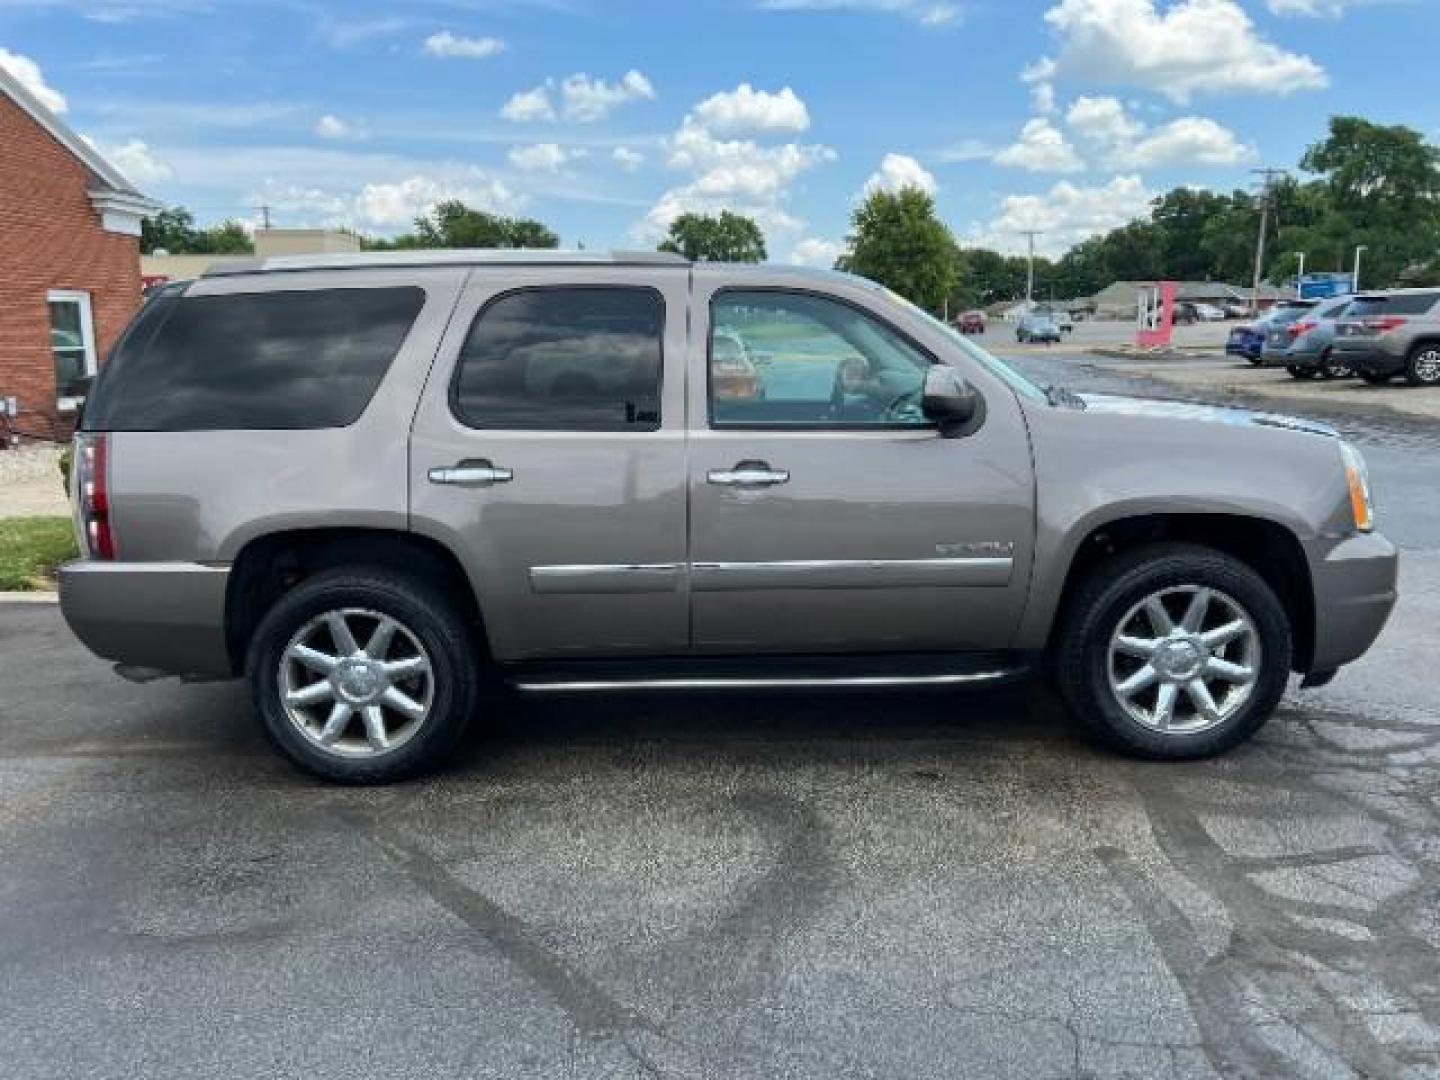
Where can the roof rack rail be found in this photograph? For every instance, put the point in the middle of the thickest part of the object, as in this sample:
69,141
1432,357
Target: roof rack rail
446,257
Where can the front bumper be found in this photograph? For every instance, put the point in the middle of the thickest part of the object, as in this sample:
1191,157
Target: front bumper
167,616
1355,591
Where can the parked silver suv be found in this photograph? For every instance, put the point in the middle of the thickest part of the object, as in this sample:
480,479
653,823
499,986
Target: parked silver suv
1383,335
367,483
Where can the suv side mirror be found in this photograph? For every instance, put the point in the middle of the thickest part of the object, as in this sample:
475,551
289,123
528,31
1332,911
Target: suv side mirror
950,402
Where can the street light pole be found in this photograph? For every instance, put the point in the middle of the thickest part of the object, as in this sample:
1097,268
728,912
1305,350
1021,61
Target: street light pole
1355,277
1301,272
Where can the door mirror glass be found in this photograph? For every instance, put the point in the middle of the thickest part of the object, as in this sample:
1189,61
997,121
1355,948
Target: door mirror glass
951,403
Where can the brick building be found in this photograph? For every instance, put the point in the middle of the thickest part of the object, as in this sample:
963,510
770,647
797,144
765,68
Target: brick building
69,260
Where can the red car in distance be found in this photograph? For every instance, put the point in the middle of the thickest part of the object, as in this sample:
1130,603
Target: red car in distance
971,322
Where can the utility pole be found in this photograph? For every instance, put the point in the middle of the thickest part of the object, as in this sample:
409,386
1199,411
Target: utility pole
1268,176
1030,235
264,216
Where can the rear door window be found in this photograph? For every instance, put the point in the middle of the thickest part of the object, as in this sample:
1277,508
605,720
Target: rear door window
583,358
271,360
1370,307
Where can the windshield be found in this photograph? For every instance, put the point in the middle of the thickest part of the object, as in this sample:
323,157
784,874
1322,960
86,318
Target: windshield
993,364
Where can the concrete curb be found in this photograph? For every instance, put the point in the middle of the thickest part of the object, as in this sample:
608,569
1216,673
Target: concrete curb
40,596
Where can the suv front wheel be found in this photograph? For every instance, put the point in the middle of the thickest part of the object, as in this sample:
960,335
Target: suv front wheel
363,676
1174,651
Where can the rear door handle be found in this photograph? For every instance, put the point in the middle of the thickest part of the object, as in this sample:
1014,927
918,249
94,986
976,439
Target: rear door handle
471,473
748,474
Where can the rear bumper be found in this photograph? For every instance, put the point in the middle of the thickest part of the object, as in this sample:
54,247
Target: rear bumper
1370,361
1355,591
168,616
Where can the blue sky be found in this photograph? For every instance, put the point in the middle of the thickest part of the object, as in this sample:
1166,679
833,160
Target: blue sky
605,118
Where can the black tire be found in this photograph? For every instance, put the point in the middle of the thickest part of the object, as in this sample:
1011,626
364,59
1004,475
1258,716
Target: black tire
1330,368
1422,366
1103,601
421,608
1256,360
1300,372
1375,378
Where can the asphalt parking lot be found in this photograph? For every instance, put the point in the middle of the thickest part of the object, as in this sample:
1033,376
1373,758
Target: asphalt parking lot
918,885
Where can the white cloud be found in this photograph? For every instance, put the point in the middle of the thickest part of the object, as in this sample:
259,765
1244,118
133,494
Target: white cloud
1189,47
1042,147
586,99
27,73
814,251
543,157
528,106
1316,8
926,12
742,175
1065,215
1042,97
628,159
1103,122
1189,140
747,109
1125,142
330,126
396,205
967,150
900,171
448,46
136,163
581,98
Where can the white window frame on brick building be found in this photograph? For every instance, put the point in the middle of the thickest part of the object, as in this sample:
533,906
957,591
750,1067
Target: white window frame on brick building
81,300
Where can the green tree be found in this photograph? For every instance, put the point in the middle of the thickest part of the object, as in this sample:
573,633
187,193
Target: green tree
452,224
173,230
897,240
724,237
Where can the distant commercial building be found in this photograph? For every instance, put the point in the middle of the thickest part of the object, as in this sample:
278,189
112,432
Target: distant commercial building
69,262
1121,300
158,269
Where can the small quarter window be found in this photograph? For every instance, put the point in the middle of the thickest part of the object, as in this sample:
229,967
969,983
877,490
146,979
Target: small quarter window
298,358
563,359
783,359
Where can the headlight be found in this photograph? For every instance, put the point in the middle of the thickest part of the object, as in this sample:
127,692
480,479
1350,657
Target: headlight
1357,479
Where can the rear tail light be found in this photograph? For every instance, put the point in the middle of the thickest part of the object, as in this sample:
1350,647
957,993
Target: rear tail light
1296,329
1386,323
91,484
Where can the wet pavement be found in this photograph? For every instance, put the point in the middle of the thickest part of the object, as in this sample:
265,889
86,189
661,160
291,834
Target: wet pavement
902,885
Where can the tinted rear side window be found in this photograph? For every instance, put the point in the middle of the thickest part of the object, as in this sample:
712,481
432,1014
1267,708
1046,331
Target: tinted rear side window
1410,304
296,359
563,359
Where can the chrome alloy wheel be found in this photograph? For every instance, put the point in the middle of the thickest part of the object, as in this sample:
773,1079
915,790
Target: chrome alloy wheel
1427,365
351,700
1184,660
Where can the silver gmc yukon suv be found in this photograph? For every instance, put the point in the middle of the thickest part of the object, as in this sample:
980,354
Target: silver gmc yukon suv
371,483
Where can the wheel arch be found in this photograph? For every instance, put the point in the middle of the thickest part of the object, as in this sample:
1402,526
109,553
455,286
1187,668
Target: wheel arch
1269,548
270,565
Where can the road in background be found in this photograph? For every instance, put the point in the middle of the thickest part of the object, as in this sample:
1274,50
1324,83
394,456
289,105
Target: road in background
806,885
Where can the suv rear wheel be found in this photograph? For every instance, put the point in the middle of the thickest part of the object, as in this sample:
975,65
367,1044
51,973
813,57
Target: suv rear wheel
1174,651
1423,367
363,676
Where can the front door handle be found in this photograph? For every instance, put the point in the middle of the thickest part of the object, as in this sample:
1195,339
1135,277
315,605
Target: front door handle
471,473
748,474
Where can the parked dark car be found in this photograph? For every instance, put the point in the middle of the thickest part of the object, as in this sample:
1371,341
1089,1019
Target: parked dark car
1248,340
1036,327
